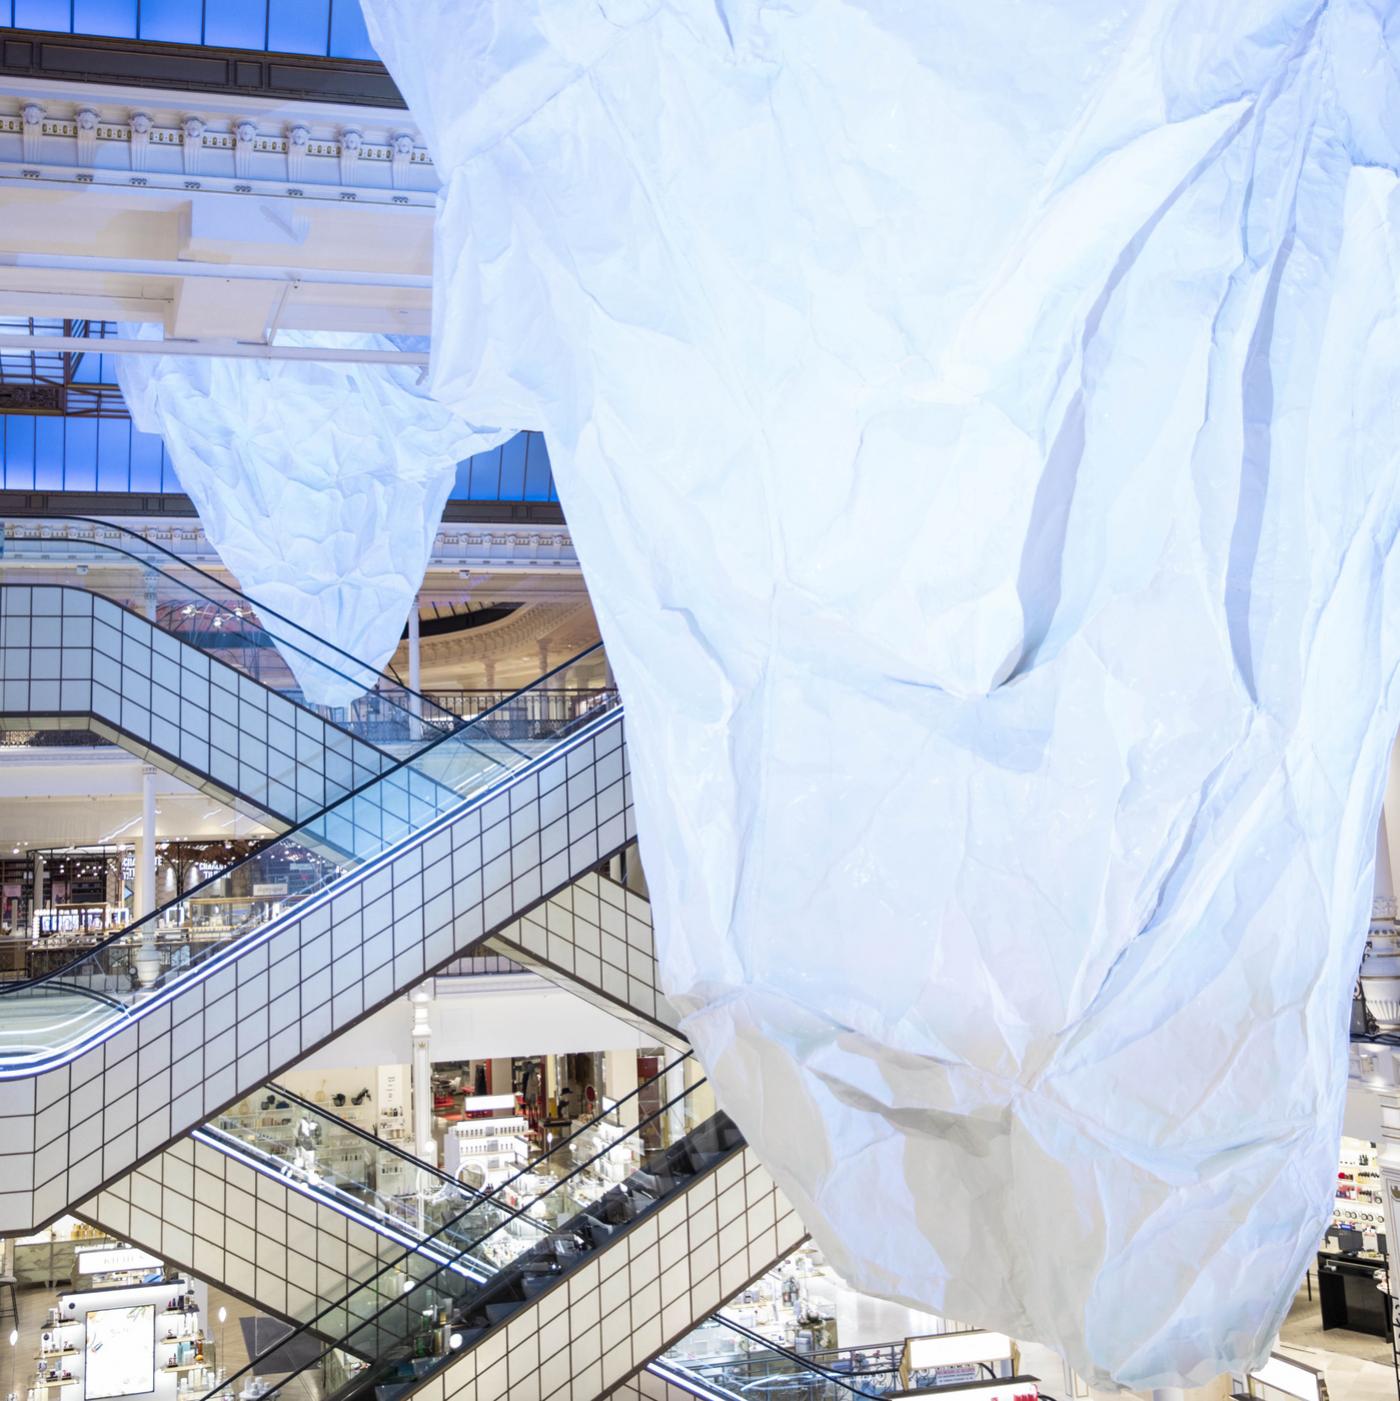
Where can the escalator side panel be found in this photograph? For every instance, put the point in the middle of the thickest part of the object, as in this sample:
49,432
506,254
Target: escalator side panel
199,1209
595,938
299,982
74,660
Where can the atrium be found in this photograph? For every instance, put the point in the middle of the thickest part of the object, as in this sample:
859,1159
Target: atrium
698,698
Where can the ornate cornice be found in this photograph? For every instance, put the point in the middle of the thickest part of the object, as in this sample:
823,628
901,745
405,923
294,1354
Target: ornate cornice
163,140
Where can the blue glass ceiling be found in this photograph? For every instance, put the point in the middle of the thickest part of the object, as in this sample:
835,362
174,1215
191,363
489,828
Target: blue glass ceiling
328,28
52,453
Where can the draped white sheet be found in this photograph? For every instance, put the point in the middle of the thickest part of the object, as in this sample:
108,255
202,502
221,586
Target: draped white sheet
978,426
320,485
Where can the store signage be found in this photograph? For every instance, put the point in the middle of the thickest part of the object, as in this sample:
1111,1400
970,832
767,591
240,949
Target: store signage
269,889
110,1258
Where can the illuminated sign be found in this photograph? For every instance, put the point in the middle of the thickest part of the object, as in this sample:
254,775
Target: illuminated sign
119,1352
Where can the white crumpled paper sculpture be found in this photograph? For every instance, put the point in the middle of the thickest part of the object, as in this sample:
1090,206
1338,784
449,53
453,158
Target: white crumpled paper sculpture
978,425
320,485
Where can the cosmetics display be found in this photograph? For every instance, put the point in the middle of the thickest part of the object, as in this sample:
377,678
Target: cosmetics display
135,1332
484,1152
1360,1201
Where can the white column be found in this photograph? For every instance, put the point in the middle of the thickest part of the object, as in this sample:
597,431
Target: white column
148,959
415,664
422,1092
38,882
415,656
151,596
620,1076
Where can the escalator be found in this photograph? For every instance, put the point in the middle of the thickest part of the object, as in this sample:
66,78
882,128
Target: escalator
144,578
419,1205
573,1272
471,825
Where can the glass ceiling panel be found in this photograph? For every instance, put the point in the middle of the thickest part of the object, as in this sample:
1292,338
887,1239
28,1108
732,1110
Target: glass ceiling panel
325,28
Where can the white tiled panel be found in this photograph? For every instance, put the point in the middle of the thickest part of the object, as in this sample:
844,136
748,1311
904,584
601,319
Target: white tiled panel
73,660
596,938
244,1230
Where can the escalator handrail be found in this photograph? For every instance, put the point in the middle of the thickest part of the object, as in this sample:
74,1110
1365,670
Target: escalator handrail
125,934
256,609
228,1385
353,1130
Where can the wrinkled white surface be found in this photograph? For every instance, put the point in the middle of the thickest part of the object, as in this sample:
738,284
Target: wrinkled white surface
321,487
978,427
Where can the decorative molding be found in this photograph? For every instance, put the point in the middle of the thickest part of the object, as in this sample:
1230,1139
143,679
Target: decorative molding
63,133
192,144
245,134
512,636
32,115
139,127
86,122
490,549
298,139
352,141
402,158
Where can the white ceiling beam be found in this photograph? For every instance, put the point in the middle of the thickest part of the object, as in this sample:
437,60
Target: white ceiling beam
239,350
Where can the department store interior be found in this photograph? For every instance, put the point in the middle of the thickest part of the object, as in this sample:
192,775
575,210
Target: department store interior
335,1057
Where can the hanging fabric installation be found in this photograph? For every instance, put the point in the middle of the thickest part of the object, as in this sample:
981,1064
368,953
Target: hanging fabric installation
978,426
321,486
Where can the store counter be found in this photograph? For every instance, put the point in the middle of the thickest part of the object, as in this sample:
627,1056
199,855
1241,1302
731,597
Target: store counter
1348,1292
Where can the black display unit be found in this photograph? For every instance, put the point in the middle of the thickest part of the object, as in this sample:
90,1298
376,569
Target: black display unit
1348,1293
